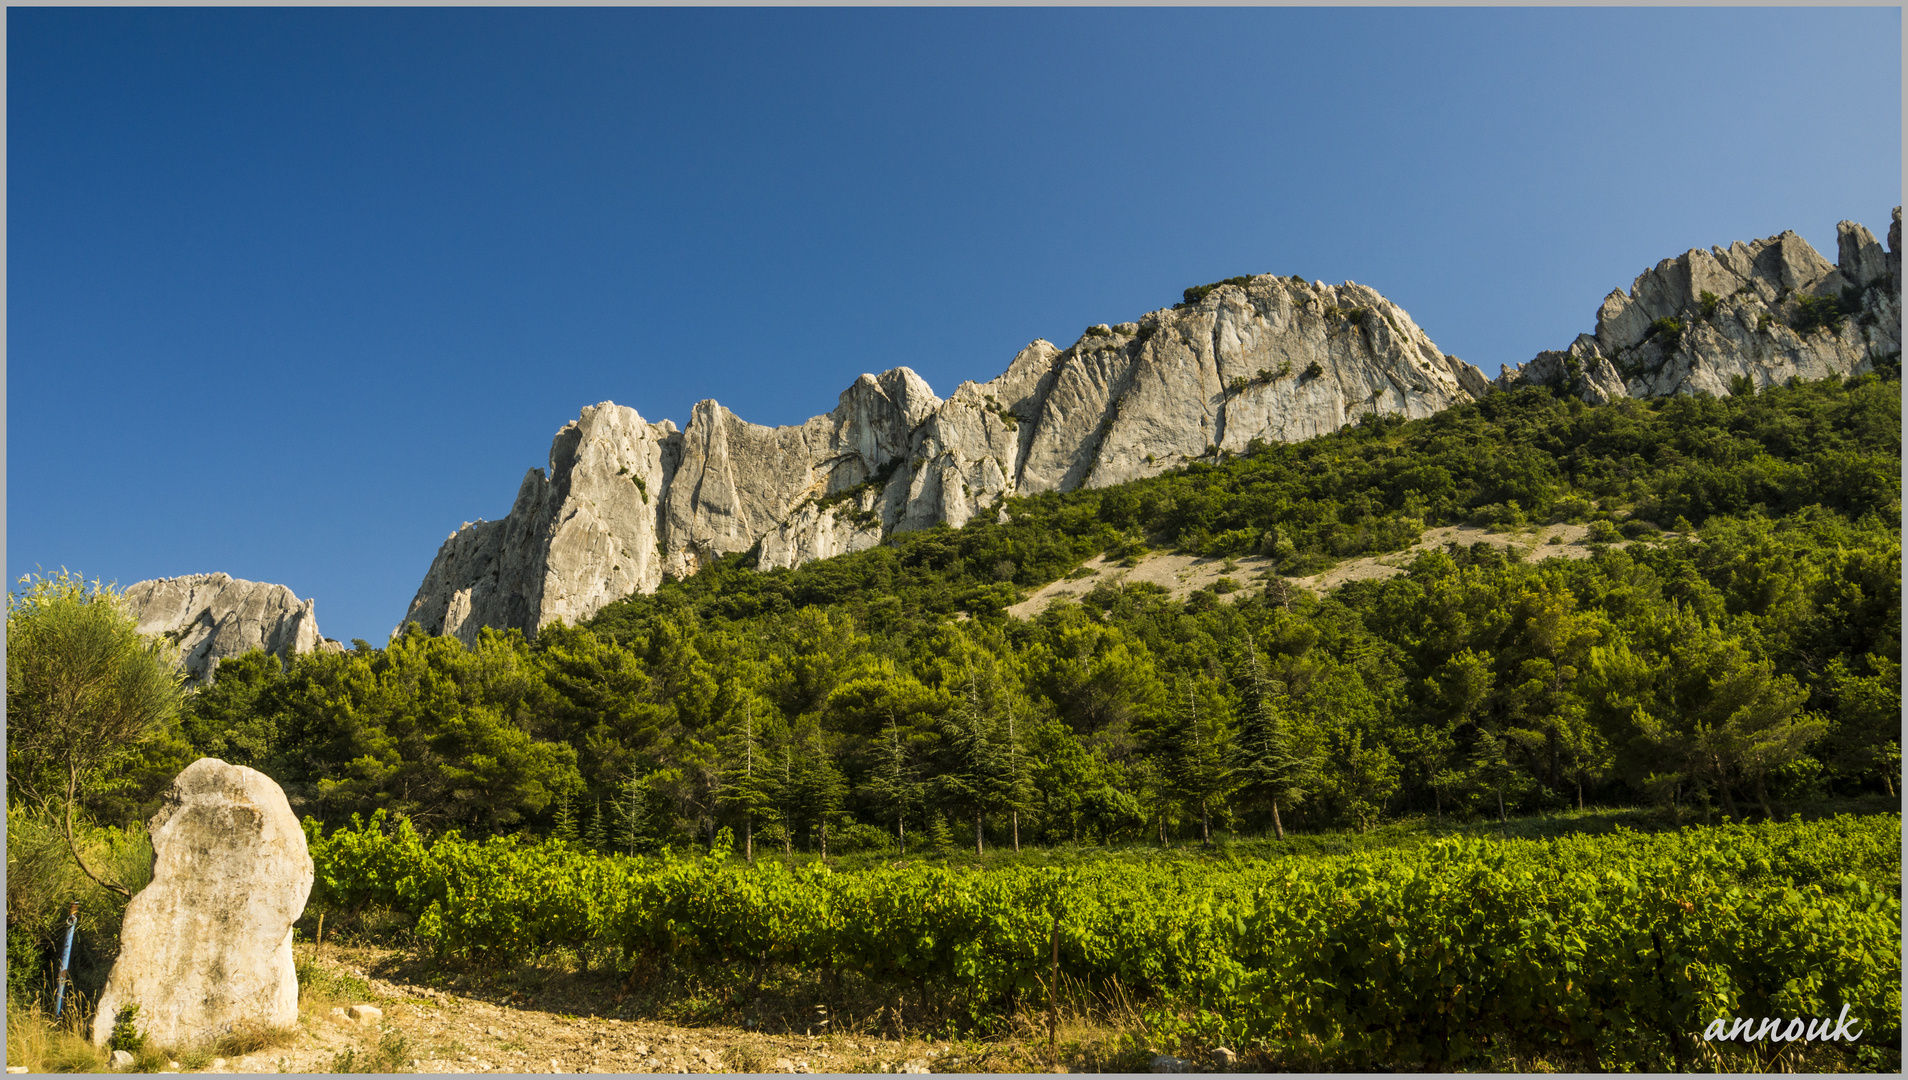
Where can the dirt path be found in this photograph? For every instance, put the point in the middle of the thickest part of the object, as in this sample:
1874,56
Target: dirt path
424,1029
1182,575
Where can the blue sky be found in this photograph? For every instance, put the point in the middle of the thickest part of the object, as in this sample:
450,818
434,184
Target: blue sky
293,293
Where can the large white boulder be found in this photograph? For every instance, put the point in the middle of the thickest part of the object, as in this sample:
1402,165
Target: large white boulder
206,947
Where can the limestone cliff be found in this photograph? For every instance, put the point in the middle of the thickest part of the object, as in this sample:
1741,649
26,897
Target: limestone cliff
1769,311
624,501
213,616
576,538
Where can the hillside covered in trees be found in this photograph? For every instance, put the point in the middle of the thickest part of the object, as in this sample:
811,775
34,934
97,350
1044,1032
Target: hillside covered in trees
1731,644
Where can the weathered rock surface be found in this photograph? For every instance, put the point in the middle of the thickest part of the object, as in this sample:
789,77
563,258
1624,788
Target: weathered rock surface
213,616
577,537
206,947
1704,320
625,502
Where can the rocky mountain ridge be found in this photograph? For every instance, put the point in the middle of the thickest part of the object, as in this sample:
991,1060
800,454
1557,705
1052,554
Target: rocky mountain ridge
1766,311
625,501
213,616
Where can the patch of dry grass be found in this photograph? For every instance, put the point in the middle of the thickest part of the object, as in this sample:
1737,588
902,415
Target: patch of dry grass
322,988
41,1043
746,1057
248,1037
46,1045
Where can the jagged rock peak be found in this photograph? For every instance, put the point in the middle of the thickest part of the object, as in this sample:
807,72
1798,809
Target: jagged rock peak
213,616
625,502
578,536
1767,311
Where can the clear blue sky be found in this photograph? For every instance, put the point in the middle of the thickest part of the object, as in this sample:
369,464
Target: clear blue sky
293,293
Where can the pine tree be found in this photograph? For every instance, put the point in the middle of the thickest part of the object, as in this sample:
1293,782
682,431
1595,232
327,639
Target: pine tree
893,786
820,786
787,803
973,778
748,780
1197,760
1017,779
1268,767
939,835
1146,774
595,835
1492,769
564,828
631,814
1364,778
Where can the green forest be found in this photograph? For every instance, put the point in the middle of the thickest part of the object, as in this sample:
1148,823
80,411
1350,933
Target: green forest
1730,648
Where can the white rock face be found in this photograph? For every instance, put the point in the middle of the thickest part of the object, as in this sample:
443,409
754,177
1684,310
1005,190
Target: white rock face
578,537
207,945
740,483
1743,327
213,616
625,502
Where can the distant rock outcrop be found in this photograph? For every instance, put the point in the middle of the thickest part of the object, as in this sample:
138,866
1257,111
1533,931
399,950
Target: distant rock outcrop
1769,311
206,947
213,616
625,501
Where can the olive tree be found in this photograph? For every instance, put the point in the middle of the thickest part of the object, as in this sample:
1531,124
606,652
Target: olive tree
84,689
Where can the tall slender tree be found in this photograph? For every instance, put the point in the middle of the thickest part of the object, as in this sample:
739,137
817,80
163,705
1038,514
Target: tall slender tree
826,789
893,786
631,813
1492,769
748,779
973,778
1017,776
596,833
790,792
564,825
1198,770
815,787
1268,766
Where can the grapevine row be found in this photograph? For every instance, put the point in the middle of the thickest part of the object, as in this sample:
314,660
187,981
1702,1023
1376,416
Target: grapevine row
1618,949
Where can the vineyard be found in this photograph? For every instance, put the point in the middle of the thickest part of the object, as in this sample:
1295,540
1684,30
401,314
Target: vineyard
1613,951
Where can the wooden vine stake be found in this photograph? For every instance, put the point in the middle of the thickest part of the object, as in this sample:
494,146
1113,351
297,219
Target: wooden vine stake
1053,981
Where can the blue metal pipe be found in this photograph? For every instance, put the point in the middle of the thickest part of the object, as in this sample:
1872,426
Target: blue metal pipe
66,956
